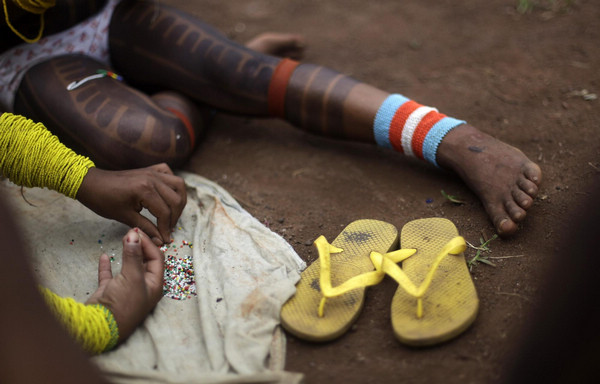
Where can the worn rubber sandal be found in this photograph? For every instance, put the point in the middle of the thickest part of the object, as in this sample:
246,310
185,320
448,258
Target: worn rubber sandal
331,292
436,299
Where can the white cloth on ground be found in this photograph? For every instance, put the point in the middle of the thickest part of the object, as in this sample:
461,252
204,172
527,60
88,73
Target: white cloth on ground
244,273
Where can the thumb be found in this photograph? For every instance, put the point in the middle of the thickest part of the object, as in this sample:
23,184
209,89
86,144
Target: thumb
149,228
133,257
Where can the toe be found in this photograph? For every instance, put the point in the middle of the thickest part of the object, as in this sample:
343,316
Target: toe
501,218
533,173
279,44
523,199
506,227
515,212
528,186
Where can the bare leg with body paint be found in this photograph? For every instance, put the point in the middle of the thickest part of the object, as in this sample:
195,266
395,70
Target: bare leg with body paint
206,67
236,80
116,125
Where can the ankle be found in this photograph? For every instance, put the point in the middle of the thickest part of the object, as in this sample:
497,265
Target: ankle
454,143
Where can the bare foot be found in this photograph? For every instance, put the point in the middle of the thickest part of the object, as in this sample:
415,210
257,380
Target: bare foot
134,292
279,44
502,176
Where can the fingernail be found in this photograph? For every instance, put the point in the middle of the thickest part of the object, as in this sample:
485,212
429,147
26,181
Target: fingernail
133,237
157,241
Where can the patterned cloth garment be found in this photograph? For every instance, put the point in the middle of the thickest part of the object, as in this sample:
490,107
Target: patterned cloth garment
90,38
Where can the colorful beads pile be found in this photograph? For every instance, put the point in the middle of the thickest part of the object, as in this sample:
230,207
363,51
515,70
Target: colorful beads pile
179,281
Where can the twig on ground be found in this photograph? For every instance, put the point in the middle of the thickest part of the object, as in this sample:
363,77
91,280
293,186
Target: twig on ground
514,294
300,171
505,257
451,198
480,256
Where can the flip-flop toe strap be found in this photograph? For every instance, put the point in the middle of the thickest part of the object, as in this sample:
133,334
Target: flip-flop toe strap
359,281
454,247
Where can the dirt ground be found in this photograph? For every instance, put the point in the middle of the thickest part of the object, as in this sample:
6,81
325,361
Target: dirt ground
521,77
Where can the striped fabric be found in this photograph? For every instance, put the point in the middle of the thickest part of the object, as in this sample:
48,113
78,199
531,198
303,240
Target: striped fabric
411,128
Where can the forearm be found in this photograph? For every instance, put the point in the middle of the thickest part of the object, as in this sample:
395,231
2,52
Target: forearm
32,157
34,347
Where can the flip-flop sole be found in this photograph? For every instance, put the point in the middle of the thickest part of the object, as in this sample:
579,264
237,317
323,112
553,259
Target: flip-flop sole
299,315
450,304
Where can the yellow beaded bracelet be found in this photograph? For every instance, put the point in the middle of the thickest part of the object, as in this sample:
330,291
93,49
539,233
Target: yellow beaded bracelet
31,156
93,326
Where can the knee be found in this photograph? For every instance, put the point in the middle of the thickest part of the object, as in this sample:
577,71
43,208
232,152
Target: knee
157,137
116,126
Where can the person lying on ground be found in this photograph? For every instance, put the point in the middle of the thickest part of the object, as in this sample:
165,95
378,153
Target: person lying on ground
134,82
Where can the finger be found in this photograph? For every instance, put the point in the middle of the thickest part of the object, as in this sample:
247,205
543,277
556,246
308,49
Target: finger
176,183
155,203
104,277
133,258
178,200
155,265
173,201
146,225
162,168
104,270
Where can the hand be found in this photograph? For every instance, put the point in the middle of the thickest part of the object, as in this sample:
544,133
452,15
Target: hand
134,292
35,346
121,195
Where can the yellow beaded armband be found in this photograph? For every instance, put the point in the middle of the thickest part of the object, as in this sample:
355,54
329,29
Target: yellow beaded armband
112,326
31,156
93,326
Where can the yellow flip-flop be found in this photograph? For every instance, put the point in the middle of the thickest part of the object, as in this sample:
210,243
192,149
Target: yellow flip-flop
330,294
436,299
